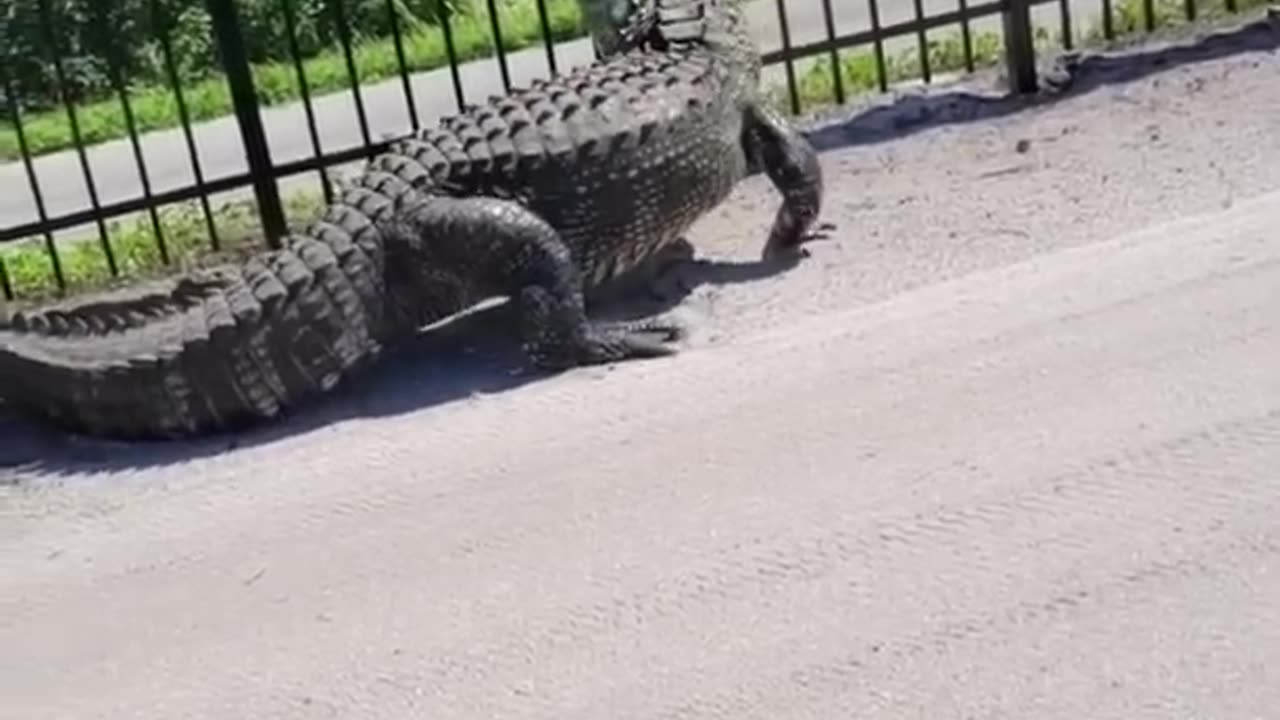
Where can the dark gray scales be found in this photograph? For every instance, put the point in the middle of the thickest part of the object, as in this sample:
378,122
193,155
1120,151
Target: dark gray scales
539,196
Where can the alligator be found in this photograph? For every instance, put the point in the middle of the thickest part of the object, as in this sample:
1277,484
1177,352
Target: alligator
537,196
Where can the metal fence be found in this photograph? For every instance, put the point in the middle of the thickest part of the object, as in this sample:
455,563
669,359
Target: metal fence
262,175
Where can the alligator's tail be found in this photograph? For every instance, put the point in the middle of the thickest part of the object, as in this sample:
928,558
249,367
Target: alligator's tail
216,351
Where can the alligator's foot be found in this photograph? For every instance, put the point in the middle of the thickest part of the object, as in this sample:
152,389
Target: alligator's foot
662,280
787,247
501,246
557,334
669,279
790,161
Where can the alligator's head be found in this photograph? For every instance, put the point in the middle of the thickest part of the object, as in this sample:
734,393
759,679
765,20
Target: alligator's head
617,26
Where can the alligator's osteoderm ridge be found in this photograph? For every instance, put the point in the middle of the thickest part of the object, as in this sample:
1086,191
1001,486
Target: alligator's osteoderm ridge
537,195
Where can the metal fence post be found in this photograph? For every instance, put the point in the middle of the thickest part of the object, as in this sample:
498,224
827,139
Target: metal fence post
235,63
1019,46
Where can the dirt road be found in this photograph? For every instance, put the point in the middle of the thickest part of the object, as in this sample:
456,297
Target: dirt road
1010,448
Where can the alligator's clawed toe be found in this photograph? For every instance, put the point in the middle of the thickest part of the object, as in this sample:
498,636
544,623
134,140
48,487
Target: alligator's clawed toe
635,340
797,249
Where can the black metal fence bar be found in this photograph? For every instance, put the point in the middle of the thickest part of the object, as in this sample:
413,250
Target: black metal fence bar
1019,46
184,118
1108,21
406,83
304,89
545,22
499,51
257,153
877,45
837,73
788,55
879,33
5,285
51,39
116,74
966,34
43,226
184,194
353,74
922,38
1064,16
451,51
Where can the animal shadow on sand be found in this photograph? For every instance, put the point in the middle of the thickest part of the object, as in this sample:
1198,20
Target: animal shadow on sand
899,115
477,354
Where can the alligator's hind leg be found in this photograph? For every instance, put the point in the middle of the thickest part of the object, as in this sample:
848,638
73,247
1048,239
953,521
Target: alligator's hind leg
489,246
662,279
792,164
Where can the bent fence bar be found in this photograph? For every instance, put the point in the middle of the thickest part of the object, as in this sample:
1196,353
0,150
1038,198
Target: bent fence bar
262,175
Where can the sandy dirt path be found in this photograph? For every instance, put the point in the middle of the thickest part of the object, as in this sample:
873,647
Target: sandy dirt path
1008,448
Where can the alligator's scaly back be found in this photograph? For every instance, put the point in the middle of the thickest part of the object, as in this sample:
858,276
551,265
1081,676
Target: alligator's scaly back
218,349
537,196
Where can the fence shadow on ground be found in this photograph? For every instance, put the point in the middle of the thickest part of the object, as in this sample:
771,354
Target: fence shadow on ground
1067,75
1064,76
468,357
477,354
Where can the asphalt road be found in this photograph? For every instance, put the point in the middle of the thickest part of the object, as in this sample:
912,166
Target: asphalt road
221,152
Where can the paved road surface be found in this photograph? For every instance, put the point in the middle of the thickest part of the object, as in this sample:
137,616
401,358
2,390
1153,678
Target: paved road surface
222,154
991,454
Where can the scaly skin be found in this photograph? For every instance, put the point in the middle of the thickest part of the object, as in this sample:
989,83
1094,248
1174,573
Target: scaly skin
539,195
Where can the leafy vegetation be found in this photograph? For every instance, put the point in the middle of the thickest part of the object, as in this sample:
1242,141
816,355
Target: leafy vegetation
100,114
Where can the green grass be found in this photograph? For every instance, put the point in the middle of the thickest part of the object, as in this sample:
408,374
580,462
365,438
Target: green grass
155,107
30,273
858,70
133,243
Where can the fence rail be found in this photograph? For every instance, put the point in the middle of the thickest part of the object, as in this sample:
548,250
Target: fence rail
19,112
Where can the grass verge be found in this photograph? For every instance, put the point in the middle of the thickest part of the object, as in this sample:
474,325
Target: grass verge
155,107
134,242
859,75
29,269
